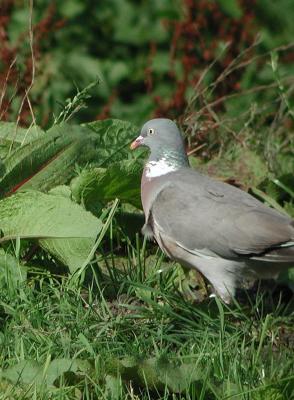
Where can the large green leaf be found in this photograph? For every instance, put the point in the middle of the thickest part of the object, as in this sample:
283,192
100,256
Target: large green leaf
31,372
52,155
113,139
60,366
60,169
62,227
50,159
13,136
156,373
26,371
120,180
12,133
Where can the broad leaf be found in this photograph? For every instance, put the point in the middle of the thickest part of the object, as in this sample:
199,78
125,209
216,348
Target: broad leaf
31,372
50,159
11,133
12,136
60,366
62,227
25,372
47,161
120,180
114,137
155,372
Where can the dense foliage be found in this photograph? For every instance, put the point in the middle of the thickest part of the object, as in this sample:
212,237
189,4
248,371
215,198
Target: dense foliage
88,308
147,58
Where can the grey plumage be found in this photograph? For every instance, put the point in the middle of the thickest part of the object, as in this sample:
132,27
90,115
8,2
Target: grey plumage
202,223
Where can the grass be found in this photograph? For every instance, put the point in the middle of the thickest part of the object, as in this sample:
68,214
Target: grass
127,317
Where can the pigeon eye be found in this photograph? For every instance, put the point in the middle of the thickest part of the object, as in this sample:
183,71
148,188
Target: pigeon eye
150,131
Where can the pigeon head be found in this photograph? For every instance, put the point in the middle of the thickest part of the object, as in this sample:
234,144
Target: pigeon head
162,137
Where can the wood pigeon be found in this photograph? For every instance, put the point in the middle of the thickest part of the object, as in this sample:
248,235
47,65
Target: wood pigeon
202,223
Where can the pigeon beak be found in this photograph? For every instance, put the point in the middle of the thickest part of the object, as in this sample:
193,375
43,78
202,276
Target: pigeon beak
137,142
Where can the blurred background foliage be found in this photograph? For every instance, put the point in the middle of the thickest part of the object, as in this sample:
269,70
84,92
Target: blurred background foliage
147,55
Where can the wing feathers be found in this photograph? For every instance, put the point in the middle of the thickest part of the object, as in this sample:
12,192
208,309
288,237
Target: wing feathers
231,224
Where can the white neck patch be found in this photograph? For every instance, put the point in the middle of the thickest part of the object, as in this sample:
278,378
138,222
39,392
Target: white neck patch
158,168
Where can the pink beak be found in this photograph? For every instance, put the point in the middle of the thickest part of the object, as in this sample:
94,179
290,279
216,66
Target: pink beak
137,142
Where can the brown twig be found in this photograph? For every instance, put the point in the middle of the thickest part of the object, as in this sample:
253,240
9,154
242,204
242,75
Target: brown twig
193,151
232,67
27,91
243,93
31,40
6,82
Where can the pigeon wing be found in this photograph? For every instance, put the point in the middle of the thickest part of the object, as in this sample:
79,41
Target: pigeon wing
209,217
